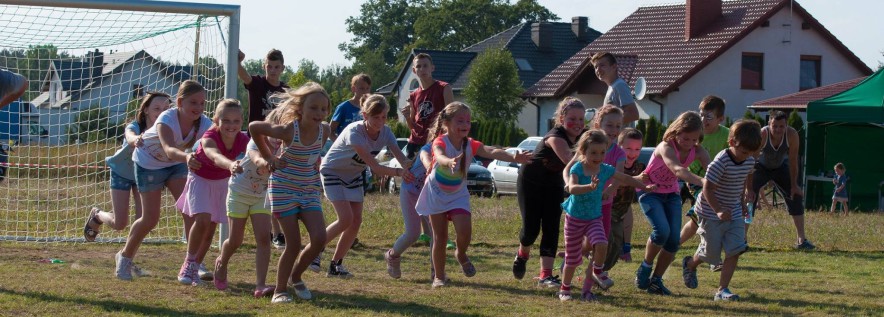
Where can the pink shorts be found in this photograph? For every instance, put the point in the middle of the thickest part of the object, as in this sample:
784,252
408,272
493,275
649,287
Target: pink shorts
454,212
202,195
575,231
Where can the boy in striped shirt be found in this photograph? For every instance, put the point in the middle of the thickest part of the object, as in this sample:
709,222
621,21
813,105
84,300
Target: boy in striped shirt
721,207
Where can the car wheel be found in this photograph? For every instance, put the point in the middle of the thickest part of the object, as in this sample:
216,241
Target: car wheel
391,186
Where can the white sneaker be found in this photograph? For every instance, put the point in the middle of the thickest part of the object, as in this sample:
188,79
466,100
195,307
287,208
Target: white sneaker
602,280
205,274
316,265
438,282
188,274
124,267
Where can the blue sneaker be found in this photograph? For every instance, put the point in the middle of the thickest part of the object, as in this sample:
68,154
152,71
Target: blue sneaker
642,276
726,295
690,277
657,287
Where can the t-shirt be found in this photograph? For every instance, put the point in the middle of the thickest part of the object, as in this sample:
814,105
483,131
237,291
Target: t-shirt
121,162
545,167
151,155
419,172
345,114
425,105
587,206
445,189
252,180
729,177
342,160
208,169
713,143
841,181
626,194
613,155
261,100
618,94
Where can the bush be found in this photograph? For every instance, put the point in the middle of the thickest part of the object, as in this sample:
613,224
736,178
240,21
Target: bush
400,129
497,132
92,125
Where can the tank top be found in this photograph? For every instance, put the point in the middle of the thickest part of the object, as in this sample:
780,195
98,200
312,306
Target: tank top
211,171
661,175
773,157
297,185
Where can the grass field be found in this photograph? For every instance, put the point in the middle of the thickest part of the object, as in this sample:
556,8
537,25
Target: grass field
841,278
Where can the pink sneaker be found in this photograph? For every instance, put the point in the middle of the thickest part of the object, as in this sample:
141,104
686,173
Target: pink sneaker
220,279
188,274
393,262
264,291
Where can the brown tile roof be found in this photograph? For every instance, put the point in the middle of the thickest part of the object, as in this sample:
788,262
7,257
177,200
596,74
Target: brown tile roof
799,100
656,35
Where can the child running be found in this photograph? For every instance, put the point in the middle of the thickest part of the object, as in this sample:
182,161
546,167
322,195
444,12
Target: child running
162,163
721,207
206,189
445,196
122,178
840,194
630,140
342,177
407,200
295,187
540,191
583,219
662,207
246,194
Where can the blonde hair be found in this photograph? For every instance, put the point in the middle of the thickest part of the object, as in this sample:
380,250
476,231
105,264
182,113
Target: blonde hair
294,101
603,112
224,105
594,136
439,128
687,122
566,105
373,104
186,89
839,166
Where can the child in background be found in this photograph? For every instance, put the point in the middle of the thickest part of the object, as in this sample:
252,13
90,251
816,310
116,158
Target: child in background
122,178
246,194
840,182
662,207
584,215
630,140
721,208
206,189
407,200
295,188
445,196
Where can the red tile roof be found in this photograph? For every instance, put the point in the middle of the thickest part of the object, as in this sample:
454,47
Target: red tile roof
799,100
656,35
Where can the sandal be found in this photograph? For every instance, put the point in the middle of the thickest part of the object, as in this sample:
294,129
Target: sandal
88,232
302,291
281,298
220,280
264,291
468,269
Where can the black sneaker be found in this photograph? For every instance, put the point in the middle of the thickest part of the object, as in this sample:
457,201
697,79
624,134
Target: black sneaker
519,267
338,270
357,244
279,241
806,245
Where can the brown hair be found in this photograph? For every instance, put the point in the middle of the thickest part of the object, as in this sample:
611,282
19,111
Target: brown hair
713,104
604,111
566,105
361,76
438,128
374,104
776,115
294,101
629,134
187,88
141,115
274,55
746,134
422,55
598,56
839,166
685,123
594,136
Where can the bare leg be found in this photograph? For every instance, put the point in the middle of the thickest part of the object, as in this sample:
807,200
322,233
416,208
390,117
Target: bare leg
229,247
463,229
727,271
314,223
140,228
688,231
440,238
261,227
197,232
349,234
799,227
206,241
663,262
844,207
345,219
289,226
119,219
651,251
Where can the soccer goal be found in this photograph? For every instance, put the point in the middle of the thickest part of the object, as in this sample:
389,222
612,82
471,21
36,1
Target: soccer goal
88,62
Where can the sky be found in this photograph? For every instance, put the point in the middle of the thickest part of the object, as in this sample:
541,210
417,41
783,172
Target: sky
313,29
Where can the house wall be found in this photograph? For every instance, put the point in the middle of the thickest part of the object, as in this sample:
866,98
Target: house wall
115,92
781,69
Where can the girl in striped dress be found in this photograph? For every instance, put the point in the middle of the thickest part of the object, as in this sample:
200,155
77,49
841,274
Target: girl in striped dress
294,188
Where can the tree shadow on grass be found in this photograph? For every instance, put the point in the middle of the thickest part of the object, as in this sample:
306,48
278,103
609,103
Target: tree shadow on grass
111,305
801,304
378,305
786,270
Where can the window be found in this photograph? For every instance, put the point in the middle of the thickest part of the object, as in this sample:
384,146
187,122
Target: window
137,91
523,64
752,71
810,72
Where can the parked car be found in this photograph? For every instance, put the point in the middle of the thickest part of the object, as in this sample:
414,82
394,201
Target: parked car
505,174
479,180
530,143
385,156
645,155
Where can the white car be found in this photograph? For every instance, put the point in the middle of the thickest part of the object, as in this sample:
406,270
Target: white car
385,155
506,173
530,144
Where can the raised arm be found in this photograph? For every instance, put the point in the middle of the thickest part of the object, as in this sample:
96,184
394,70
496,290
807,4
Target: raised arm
498,154
667,152
242,73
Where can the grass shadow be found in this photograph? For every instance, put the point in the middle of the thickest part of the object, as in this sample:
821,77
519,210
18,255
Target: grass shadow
111,305
795,303
378,305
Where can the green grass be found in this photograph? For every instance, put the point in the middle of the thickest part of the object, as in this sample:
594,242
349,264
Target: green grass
842,278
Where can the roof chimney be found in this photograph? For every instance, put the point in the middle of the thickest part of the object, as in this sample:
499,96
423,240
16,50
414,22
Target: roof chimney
698,15
579,26
541,34
96,63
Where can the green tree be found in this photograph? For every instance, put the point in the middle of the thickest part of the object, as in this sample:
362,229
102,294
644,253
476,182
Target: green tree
494,86
797,123
93,124
654,132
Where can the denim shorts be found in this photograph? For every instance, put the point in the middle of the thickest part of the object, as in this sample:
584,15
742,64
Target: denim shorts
149,180
118,182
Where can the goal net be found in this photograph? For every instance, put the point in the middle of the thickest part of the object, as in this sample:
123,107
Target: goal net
88,64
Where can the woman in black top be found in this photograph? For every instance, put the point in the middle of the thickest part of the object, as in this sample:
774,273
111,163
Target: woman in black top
541,190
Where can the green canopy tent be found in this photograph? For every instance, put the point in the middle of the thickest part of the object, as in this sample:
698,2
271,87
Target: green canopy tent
849,128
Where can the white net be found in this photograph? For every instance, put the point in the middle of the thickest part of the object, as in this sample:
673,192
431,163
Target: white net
87,69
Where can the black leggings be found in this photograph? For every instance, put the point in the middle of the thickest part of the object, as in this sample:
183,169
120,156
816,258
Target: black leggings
541,210
780,177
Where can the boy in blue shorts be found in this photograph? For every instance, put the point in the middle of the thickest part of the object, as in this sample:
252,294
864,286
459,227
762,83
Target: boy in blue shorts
721,207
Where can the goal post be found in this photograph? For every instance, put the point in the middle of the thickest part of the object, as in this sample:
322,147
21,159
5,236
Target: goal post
87,63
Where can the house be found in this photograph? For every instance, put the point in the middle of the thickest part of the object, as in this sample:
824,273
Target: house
108,81
743,51
799,100
537,49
